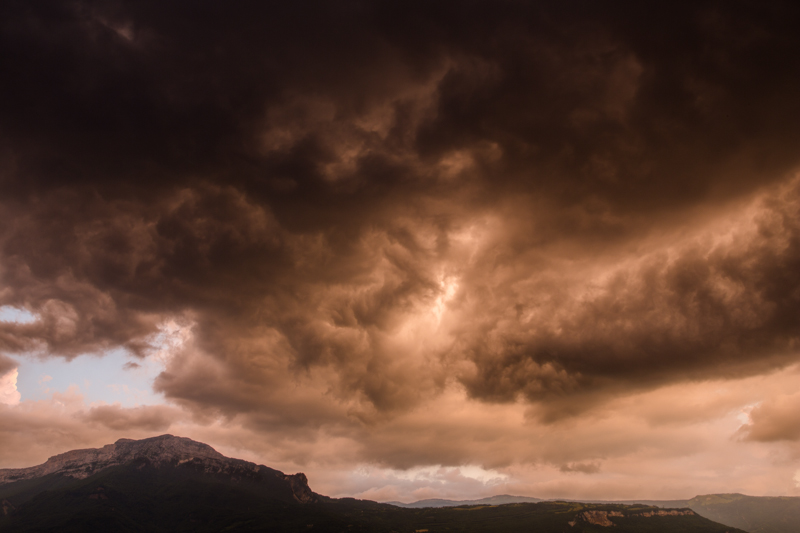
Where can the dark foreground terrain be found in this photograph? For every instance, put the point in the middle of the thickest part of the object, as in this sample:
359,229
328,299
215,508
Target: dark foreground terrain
754,514
171,484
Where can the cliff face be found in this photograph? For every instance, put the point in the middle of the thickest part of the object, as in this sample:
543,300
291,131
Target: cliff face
163,451
601,518
299,484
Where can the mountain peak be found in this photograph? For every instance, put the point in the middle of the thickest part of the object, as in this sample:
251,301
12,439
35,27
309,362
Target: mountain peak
160,451
165,446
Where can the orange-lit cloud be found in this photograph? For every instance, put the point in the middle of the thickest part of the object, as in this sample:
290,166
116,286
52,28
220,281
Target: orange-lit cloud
418,250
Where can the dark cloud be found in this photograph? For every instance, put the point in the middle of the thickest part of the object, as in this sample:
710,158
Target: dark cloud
6,365
697,308
376,201
776,419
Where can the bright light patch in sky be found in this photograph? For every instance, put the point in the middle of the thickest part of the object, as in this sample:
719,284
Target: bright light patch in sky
14,314
8,388
421,482
442,473
449,286
482,475
743,417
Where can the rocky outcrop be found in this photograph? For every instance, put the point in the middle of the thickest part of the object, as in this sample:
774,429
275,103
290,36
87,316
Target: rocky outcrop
668,512
600,518
165,450
299,484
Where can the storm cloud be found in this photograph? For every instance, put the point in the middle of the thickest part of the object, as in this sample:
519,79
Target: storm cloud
352,209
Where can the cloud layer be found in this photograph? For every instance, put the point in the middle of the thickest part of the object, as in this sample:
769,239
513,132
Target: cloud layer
352,215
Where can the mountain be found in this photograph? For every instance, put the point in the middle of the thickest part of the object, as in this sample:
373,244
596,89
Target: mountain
756,514
173,484
492,500
163,451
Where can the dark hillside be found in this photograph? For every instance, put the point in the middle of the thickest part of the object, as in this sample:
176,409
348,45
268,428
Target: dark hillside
755,514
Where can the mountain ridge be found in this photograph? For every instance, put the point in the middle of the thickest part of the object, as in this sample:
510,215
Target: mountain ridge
756,514
157,451
172,484
499,499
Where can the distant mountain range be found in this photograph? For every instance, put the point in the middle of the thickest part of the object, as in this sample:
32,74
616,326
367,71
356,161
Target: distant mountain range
173,484
755,514
492,500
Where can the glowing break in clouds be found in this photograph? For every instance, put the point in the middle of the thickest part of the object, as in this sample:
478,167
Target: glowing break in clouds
8,387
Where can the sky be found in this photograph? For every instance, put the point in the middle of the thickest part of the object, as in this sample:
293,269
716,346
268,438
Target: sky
412,249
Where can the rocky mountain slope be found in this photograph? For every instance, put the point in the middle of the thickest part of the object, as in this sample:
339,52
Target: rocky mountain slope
165,450
81,464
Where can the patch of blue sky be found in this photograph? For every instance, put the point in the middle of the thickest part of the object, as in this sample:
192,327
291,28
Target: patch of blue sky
15,314
113,377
